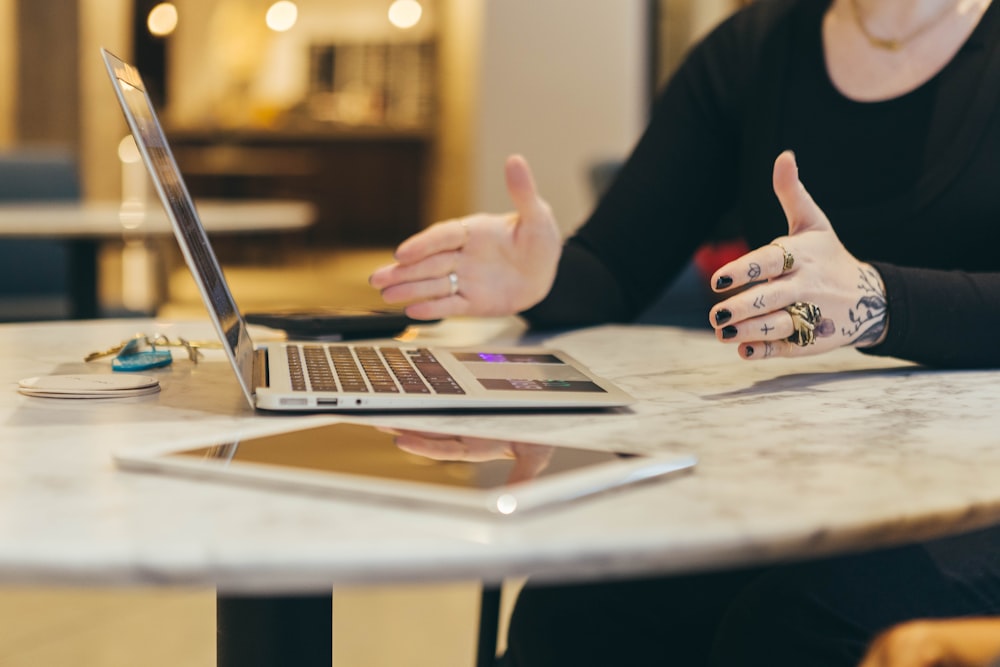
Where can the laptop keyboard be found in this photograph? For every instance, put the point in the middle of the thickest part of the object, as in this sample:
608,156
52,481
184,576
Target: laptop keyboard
359,369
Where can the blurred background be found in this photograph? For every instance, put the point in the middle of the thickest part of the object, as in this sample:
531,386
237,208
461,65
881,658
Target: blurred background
384,115
379,117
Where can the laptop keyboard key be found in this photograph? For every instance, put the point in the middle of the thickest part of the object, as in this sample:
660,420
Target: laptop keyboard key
436,375
386,370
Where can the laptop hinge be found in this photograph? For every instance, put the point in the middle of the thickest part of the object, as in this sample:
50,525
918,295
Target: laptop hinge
260,374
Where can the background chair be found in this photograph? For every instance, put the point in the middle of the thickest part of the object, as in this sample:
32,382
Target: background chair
34,273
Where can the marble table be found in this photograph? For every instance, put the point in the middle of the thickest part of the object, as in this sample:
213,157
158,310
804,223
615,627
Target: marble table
85,225
797,458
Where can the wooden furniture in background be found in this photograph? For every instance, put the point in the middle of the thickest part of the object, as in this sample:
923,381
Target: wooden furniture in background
368,186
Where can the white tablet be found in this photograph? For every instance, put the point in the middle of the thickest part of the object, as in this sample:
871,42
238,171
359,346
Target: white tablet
496,476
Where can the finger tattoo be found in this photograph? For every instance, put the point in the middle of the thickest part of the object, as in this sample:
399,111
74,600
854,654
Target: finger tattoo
754,272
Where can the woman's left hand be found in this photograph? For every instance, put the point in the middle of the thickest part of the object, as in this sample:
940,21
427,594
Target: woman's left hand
804,293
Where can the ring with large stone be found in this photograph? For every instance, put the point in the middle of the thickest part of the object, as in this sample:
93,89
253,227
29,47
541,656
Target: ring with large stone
787,260
805,316
453,283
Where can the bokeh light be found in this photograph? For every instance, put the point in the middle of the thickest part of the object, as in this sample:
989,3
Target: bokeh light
405,13
162,19
282,16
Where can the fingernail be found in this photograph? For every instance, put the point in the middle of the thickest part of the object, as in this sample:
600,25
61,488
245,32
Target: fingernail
729,332
748,352
723,282
722,316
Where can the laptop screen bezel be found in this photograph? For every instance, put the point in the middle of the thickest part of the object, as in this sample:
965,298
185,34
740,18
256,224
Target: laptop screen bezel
188,229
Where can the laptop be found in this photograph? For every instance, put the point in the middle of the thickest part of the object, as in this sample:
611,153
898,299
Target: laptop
313,376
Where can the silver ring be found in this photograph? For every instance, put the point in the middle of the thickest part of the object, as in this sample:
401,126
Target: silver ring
453,280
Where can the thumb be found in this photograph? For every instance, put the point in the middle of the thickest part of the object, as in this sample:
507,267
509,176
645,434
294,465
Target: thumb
801,211
522,191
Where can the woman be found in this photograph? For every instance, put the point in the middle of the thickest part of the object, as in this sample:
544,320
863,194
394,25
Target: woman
892,108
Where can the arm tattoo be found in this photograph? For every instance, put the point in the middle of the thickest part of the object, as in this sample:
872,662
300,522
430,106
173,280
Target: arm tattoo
868,315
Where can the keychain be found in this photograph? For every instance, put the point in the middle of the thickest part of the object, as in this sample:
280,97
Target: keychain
142,352
135,354
131,358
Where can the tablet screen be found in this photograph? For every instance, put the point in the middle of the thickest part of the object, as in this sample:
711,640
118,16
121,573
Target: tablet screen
436,459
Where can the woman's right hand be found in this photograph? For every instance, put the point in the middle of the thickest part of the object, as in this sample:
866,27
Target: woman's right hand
478,265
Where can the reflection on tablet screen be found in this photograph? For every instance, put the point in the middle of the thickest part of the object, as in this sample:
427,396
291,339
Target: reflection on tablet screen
405,455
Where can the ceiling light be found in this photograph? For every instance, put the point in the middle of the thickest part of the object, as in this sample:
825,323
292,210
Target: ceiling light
282,16
162,19
405,13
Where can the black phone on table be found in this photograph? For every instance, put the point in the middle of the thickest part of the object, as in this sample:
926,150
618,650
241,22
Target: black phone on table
336,323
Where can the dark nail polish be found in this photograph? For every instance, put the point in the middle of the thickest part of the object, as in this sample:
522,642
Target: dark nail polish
723,282
749,352
722,316
729,332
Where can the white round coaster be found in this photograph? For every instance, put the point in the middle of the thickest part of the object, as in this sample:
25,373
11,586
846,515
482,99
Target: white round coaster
95,384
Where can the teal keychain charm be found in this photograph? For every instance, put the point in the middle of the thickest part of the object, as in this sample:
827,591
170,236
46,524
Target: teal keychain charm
133,358
141,361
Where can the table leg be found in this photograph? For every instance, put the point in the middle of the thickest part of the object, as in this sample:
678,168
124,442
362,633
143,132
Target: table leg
275,630
83,297
489,626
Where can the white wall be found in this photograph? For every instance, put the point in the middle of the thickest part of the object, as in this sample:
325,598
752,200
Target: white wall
562,82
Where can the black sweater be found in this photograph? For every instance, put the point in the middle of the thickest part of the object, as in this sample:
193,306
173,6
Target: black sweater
911,184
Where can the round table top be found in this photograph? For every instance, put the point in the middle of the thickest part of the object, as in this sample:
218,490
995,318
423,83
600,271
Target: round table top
797,458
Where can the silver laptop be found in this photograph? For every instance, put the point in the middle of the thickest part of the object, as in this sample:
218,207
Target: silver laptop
310,376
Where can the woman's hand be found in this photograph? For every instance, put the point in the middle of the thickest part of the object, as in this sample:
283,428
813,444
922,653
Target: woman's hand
529,459
784,280
479,265
964,642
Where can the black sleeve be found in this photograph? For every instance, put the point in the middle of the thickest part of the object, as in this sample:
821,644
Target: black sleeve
947,319
673,190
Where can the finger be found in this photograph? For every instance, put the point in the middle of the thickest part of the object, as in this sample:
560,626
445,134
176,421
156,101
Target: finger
773,326
439,237
750,303
431,448
434,266
801,211
521,185
760,350
437,287
764,263
531,208
438,309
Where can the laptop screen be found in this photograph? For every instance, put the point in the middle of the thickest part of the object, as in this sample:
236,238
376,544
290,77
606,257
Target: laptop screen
180,209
